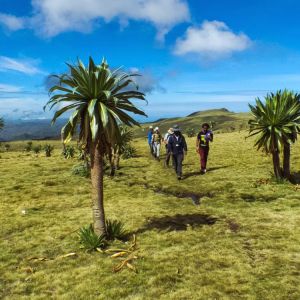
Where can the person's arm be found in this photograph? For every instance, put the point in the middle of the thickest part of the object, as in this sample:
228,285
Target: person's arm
184,145
169,145
211,137
197,143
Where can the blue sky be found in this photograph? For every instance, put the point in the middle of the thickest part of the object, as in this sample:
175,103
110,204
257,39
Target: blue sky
193,55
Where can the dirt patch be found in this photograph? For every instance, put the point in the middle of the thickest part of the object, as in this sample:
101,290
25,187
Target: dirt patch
233,226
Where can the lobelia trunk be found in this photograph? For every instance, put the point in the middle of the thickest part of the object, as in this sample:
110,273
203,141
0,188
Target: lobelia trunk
286,160
276,164
97,188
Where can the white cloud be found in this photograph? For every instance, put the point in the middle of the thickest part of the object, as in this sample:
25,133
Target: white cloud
12,22
52,17
147,82
24,107
7,88
211,40
26,66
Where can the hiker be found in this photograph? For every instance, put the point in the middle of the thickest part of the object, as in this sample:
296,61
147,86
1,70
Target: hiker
156,142
178,148
150,133
166,140
205,136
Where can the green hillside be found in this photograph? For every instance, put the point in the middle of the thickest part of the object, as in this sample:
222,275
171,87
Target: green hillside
223,119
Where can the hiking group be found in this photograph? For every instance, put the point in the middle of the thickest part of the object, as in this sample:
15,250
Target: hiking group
176,146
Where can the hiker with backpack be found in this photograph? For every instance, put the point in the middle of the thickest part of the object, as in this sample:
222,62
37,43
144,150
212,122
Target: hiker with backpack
205,136
156,142
178,148
166,141
149,137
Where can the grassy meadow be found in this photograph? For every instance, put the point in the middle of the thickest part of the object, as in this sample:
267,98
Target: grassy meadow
241,242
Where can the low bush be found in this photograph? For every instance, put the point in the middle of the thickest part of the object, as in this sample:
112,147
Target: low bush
115,230
68,152
128,152
89,239
48,150
28,147
81,170
37,149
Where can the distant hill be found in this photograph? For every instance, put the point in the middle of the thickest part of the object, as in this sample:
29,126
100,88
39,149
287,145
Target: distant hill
222,119
30,130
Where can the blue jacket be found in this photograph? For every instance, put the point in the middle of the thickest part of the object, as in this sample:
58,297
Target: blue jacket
150,133
177,146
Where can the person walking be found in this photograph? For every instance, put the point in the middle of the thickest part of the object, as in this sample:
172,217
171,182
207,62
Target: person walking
149,136
156,142
178,148
166,141
204,137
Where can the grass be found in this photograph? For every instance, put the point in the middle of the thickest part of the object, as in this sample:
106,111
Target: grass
241,242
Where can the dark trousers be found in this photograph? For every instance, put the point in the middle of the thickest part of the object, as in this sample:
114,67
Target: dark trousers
203,151
178,159
168,156
151,148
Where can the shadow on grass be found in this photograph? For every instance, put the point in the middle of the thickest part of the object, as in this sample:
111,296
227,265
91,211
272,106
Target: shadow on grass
295,178
197,173
258,198
178,222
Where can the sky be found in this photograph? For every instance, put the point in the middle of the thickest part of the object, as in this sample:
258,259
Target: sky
192,54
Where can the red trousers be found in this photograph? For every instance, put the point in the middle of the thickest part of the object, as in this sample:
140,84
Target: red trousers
203,151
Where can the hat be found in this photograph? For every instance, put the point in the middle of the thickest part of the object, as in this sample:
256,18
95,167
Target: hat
156,128
176,128
171,131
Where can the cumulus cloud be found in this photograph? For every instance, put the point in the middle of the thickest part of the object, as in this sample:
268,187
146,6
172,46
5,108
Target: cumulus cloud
26,66
12,22
52,17
147,81
211,40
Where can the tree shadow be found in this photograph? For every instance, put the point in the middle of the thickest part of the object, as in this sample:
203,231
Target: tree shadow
177,222
295,178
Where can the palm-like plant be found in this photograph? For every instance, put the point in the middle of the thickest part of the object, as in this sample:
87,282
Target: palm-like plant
277,123
126,136
100,101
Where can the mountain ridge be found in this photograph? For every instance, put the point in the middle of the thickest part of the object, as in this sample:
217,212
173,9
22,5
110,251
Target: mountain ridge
223,120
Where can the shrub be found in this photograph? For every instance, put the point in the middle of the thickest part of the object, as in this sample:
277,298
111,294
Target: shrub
191,132
37,149
115,230
89,239
48,150
28,147
82,170
68,152
7,147
128,152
